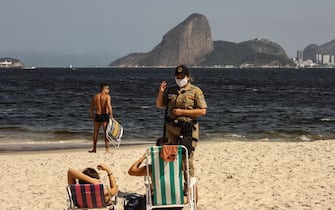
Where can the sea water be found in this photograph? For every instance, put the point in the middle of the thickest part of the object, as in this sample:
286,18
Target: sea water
49,107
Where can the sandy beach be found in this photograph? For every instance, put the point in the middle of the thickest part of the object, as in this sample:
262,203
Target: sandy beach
230,175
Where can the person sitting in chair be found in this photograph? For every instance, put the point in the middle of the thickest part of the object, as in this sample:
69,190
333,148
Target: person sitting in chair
137,170
140,169
91,176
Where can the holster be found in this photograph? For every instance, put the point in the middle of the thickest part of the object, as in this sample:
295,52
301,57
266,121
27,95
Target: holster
186,129
185,138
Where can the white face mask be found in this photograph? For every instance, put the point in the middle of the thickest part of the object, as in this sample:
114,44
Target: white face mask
181,82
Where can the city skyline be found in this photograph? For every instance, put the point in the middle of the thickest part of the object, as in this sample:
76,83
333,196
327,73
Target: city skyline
113,29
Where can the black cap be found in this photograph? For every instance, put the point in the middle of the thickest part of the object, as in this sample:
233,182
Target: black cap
182,70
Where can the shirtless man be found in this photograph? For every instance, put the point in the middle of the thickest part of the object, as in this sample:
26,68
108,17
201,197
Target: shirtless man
101,104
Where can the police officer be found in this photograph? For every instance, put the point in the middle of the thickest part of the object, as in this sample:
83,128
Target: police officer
186,102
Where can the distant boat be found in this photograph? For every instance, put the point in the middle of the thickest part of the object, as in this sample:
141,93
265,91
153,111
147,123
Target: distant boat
30,68
10,63
72,68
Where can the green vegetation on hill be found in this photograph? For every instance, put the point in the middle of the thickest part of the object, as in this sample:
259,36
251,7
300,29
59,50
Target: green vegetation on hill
253,52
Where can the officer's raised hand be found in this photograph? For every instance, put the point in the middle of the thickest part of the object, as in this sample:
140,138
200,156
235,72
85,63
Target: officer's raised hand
160,95
163,86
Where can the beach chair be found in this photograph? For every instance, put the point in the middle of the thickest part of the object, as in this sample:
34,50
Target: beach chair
167,179
89,196
114,132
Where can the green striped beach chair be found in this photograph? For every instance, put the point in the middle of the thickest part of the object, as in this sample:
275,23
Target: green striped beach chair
167,180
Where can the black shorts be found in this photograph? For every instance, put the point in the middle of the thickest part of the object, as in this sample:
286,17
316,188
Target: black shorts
101,118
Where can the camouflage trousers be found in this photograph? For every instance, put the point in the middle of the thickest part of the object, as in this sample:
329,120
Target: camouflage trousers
173,133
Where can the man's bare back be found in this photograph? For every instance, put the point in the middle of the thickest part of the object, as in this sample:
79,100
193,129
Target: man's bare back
100,103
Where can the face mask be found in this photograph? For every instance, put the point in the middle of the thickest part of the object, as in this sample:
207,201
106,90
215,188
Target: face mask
181,82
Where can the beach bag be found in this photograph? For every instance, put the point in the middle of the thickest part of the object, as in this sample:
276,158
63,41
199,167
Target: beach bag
134,201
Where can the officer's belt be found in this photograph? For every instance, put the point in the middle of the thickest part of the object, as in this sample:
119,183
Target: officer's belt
179,123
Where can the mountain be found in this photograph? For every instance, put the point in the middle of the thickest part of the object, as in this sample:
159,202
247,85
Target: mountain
329,47
255,52
311,50
190,43
187,43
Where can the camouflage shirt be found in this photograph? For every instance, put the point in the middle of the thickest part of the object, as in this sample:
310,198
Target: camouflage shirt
189,97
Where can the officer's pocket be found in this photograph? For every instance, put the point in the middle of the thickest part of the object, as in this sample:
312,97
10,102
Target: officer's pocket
189,101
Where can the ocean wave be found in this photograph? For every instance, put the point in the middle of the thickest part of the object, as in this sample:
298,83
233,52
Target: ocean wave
253,105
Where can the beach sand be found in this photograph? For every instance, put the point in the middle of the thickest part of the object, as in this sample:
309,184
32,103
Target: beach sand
230,175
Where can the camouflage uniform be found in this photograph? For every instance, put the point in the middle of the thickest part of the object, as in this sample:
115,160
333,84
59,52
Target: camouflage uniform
190,97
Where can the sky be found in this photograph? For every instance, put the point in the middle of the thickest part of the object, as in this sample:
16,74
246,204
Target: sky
100,31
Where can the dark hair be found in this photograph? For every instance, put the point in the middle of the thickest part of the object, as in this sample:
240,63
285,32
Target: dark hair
161,141
103,85
91,172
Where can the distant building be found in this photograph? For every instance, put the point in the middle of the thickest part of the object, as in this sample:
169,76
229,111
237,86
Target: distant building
324,59
318,58
300,56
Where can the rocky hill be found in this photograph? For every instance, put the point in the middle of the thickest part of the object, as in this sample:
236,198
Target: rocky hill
190,43
187,43
257,52
311,50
